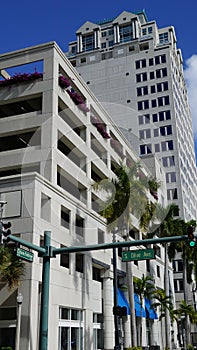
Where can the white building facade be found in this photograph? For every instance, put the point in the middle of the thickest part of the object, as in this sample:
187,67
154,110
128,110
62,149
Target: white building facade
51,154
136,71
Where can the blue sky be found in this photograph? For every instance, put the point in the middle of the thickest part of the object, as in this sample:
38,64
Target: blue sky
31,23
26,23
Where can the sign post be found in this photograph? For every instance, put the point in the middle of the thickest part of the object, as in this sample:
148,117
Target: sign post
47,252
143,254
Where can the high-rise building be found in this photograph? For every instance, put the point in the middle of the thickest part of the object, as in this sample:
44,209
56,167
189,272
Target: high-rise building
136,71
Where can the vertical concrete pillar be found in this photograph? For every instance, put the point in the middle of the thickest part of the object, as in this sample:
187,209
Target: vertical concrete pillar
79,42
108,310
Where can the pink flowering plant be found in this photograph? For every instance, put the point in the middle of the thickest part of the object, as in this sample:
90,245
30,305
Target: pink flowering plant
20,78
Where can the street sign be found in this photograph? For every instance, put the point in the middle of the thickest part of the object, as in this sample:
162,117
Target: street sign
24,254
142,254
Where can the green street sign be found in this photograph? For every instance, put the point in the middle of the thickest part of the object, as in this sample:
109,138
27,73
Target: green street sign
142,254
24,254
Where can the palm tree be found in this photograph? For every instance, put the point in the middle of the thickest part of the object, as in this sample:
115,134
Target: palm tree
126,195
144,288
11,268
170,225
187,311
163,302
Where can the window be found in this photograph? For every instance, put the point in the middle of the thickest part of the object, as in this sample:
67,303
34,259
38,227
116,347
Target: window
103,34
88,42
101,236
165,130
155,117
79,259
158,271
152,89
178,265
144,119
148,265
83,60
70,329
171,177
98,332
144,31
73,49
140,64
162,86
167,145
150,30
103,45
157,147
143,105
141,91
156,132
64,259
110,32
145,134
163,101
111,43
151,62
145,149
168,161
141,77
45,207
178,286
163,38
157,251
154,103
65,217
172,194
144,46
152,75
161,73
160,59
79,224
126,33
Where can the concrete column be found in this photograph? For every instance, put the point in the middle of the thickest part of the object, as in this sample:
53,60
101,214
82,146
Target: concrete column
79,43
108,310
134,31
116,34
96,39
127,331
137,34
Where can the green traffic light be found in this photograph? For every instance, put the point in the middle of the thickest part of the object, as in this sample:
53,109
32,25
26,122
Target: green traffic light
192,243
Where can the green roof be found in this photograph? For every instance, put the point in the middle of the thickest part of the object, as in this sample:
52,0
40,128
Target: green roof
108,20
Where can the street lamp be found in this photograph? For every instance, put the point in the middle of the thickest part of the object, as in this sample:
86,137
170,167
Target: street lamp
117,342
19,300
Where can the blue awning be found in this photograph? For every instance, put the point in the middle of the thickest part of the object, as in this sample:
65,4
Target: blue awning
139,310
122,301
151,312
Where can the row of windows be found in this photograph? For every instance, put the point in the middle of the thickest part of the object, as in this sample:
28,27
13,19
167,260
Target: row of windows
105,45
159,87
156,117
158,73
159,147
161,131
147,31
159,102
143,63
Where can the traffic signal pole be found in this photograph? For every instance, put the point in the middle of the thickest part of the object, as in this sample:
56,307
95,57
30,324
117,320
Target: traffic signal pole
47,252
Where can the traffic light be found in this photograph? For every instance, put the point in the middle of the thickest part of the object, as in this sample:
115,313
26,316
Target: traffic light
190,235
5,231
120,311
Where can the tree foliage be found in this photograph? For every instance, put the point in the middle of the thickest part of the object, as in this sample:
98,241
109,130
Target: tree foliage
11,268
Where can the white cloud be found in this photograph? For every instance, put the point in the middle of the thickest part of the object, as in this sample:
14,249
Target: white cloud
191,79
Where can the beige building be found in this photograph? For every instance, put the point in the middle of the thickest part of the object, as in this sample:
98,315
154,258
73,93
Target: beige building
51,154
